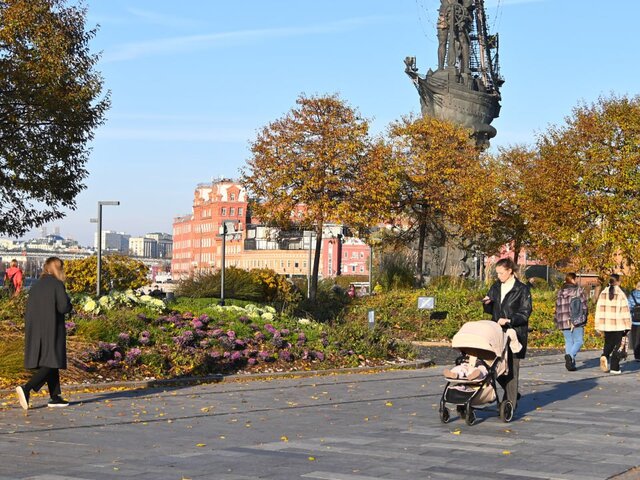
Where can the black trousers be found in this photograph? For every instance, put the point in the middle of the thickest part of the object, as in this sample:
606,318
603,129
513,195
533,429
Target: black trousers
635,341
509,382
612,341
48,375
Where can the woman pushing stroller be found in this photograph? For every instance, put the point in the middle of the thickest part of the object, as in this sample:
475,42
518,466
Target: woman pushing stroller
509,303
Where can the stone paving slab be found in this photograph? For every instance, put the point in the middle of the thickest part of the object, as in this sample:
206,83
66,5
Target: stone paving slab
570,425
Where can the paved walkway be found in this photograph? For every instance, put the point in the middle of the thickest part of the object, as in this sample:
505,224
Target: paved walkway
582,425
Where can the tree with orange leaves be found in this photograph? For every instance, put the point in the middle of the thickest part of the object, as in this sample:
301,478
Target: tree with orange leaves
585,204
444,188
319,155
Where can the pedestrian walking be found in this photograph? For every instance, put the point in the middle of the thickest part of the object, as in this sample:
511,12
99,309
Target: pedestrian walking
634,308
571,317
509,303
13,279
45,334
612,317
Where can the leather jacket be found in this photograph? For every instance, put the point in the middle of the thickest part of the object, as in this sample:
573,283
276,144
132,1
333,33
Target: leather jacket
516,307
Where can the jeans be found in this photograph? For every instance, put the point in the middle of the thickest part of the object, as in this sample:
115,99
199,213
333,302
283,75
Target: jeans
573,341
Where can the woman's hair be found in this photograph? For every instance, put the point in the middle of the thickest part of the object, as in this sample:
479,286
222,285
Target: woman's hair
14,263
613,279
54,266
508,264
638,286
570,277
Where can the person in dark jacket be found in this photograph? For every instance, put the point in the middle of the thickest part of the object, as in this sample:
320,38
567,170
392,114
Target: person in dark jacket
634,308
509,303
573,332
45,334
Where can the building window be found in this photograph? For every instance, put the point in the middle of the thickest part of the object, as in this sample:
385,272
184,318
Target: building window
304,264
224,212
233,197
232,212
353,269
346,255
361,254
361,269
295,264
239,211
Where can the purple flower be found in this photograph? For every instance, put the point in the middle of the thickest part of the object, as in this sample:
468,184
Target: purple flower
117,356
286,355
144,341
325,342
318,356
226,354
302,338
251,362
231,334
215,355
259,337
124,339
70,326
277,340
270,328
265,356
112,363
216,333
133,355
204,343
197,324
204,318
235,356
284,332
240,344
142,316
244,319
145,333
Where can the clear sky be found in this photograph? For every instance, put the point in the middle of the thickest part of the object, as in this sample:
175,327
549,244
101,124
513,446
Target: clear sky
192,81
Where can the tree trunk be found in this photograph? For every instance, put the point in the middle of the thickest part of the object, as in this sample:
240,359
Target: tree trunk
316,265
422,232
517,246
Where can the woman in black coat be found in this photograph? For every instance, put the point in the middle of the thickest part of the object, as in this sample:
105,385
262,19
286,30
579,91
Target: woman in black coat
509,303
45,334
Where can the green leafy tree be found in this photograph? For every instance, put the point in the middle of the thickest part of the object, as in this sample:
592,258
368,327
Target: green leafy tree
316,165
50,105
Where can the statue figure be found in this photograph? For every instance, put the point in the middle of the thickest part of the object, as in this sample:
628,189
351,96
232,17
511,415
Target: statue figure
454,24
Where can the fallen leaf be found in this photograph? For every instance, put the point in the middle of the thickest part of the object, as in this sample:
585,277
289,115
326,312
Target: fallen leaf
312,459
506,452
389,404
201,444
284,438
456,432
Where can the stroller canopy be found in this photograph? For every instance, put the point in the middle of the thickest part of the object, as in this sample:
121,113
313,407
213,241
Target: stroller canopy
483,335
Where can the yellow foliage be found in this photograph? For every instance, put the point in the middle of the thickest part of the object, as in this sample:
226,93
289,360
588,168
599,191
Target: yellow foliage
118,271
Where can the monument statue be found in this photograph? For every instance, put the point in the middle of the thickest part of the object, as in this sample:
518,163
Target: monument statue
465,89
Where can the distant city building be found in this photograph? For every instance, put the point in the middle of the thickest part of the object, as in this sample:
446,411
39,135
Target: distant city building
113,241
165,244
143,247
197,239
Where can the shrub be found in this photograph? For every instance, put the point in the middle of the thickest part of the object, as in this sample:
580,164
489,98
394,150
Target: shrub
238,283
330,302
119,272
396,270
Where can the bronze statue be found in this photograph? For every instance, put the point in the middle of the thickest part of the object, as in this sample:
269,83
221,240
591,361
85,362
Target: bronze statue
454,24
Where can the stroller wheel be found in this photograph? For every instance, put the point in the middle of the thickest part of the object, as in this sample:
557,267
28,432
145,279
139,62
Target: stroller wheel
470,416
444,415
506,411
462,411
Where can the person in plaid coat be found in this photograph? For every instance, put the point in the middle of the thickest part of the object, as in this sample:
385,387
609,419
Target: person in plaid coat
573,334
614,320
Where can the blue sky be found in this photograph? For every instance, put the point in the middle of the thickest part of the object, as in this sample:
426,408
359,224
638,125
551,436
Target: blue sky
192,81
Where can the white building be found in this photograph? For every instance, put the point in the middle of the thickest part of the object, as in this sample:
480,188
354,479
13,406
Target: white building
113,241
143,247
165,243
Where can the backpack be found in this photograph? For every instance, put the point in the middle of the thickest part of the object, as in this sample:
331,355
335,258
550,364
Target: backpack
9,286
635,311
576,312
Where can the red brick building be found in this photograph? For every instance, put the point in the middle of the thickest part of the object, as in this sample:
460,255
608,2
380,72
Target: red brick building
197,243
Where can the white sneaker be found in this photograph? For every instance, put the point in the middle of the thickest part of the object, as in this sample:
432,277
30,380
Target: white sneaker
23,398
615,372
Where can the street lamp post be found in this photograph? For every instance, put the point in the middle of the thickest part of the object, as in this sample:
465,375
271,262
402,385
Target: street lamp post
99,246
223,232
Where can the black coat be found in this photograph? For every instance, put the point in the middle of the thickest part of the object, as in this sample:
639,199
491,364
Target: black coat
45,333
516,307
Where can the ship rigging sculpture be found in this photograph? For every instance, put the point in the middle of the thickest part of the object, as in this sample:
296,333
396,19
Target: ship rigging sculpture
465,89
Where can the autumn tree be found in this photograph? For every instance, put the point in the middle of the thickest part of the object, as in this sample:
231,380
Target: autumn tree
319,161
118,272
443,187
50,105
585,187
509,170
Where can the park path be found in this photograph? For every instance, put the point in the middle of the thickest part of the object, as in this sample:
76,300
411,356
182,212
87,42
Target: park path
582,425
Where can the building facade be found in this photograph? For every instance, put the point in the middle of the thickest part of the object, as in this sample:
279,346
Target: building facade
198,242
113,241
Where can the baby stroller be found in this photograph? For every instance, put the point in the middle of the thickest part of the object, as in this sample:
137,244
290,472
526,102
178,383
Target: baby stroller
487,341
